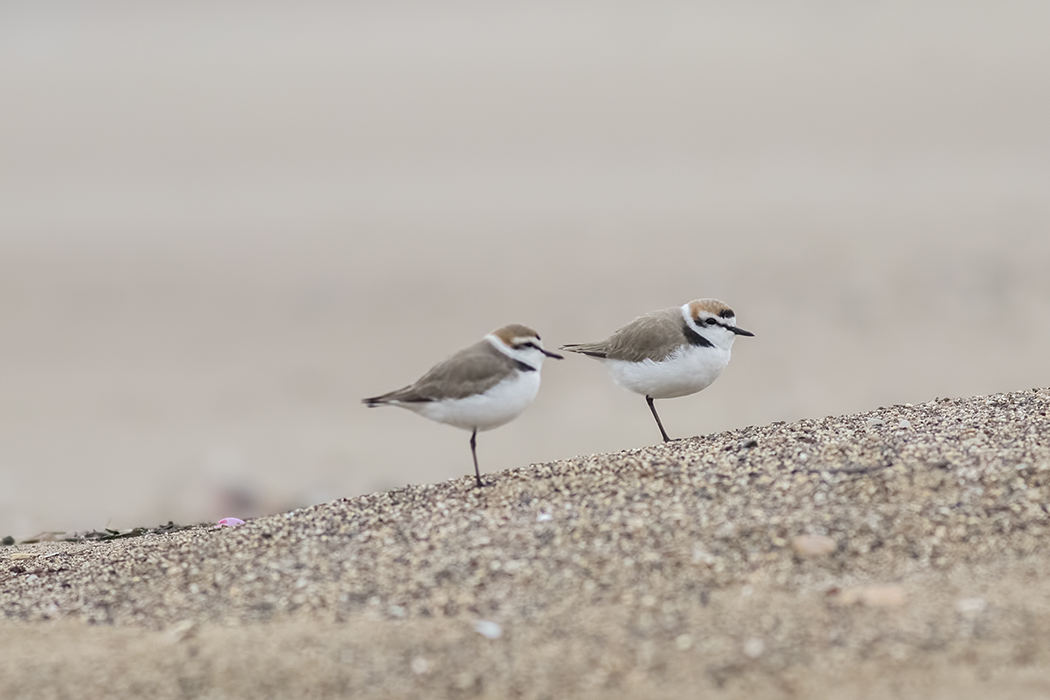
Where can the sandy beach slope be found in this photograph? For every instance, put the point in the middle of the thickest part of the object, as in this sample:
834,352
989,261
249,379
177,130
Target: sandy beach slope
897,553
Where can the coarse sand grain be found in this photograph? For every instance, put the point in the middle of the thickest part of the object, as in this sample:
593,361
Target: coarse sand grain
896,553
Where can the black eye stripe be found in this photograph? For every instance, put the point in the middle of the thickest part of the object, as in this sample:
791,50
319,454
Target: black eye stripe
711,321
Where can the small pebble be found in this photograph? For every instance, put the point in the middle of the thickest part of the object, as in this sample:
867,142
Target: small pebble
180,631
879,596
812,545
465,680
229,522
971,607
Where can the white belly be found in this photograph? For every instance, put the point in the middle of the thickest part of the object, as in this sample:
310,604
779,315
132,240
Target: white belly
687,371
500,404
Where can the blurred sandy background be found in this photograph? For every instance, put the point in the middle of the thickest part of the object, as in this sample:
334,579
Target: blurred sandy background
222,225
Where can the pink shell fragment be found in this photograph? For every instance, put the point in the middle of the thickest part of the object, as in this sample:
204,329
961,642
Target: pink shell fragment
230,522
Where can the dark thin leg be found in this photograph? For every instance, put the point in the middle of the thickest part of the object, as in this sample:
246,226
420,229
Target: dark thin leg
474,452
649,400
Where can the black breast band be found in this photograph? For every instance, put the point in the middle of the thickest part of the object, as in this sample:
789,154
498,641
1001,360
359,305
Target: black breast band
695,338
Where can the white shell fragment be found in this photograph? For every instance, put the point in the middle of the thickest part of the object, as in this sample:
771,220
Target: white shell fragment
487,628
754,647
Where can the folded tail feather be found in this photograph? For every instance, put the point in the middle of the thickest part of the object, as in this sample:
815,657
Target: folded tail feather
589,349
401,395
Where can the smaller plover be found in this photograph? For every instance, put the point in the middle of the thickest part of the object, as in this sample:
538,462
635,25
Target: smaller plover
480,387
669,353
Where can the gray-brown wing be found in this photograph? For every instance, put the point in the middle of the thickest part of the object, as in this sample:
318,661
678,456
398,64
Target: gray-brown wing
653,336
470,371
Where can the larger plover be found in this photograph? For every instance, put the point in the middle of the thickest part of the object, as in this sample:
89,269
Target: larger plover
669,353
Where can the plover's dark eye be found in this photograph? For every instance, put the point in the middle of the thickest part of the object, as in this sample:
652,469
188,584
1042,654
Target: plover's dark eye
710,322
